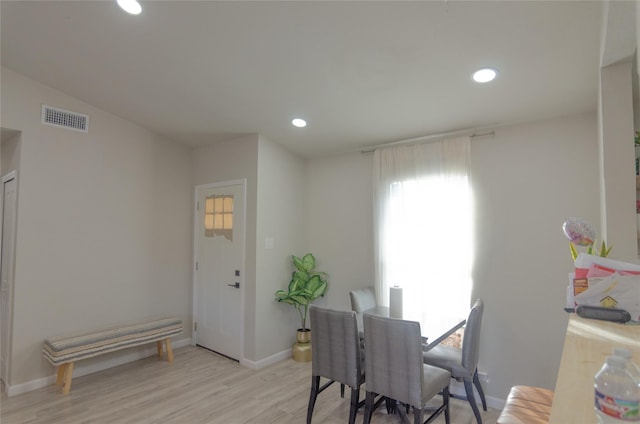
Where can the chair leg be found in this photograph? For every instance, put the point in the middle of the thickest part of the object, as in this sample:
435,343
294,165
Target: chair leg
403,412
315,385
368,407
445,399
476,382
355,400
468,388
417,415
390,404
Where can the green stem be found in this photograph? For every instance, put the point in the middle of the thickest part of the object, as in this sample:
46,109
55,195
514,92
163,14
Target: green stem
302,317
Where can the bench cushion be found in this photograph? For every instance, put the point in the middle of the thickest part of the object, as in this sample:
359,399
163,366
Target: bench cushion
86,344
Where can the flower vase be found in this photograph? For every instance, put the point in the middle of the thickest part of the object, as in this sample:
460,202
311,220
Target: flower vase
302,347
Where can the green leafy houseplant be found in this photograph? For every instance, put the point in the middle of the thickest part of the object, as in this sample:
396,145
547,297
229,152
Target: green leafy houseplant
306,285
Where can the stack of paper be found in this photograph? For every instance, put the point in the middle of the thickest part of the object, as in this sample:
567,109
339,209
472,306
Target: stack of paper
604,282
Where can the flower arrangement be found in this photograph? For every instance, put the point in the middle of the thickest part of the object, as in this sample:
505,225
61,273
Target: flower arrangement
581,233
603,250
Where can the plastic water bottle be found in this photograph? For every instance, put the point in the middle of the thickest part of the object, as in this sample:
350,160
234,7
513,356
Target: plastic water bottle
617,393
633,369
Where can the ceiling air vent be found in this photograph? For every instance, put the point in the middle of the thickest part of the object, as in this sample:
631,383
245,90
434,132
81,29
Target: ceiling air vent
65,119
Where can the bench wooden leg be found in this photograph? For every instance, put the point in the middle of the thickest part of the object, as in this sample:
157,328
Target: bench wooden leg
159,346
167,344
68,375
169,350
61,369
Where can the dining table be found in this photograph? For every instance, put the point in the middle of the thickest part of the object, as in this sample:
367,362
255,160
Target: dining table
433,331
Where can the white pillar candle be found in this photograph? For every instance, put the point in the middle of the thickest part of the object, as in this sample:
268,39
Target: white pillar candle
395,302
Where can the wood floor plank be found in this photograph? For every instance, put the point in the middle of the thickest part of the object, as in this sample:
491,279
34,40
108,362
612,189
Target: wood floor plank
198,387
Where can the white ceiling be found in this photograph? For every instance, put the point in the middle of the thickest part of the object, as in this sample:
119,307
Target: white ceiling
361,73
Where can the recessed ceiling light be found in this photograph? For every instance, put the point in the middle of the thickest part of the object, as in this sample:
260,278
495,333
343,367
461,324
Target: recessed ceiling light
130,6
300,123
484,75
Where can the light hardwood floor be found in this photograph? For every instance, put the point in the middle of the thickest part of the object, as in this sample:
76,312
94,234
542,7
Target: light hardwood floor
198,387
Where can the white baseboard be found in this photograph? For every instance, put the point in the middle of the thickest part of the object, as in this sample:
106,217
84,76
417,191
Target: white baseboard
270,360
18,389
80,370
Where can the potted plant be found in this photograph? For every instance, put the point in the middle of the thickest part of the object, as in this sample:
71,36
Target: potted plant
306,285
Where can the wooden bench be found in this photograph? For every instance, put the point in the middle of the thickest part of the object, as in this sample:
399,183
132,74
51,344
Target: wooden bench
527,405
64,351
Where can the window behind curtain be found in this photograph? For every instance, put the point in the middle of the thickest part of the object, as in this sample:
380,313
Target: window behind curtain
424,231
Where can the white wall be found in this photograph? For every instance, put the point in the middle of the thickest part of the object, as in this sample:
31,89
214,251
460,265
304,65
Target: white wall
10,157
104,224
339,221
527,180
617,167
232,160
281,207
275,210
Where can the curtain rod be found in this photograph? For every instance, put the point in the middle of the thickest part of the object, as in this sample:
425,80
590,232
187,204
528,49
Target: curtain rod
473,133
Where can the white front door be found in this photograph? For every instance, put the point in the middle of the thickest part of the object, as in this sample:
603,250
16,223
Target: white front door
10,191
219,275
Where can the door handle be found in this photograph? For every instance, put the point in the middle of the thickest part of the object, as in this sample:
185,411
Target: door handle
236,285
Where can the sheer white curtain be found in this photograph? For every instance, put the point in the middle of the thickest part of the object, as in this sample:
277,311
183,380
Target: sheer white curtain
424,236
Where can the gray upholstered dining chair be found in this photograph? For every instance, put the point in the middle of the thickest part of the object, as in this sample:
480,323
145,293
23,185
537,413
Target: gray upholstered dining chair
362,299
463,362
395,369
336,354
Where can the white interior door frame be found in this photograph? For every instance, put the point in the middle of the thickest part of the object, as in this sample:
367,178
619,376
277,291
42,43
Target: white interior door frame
7,287
194,280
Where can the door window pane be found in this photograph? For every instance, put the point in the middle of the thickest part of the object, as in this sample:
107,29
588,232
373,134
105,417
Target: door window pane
218,216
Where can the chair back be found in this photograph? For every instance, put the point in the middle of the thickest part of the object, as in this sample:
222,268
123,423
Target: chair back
362,299
335,346
471,340
394,366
